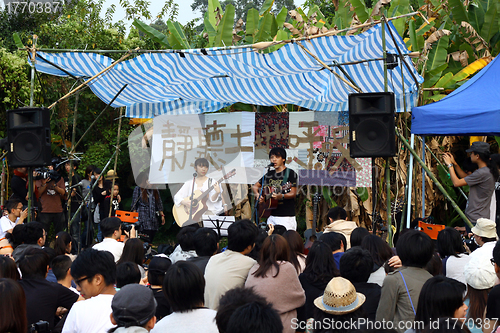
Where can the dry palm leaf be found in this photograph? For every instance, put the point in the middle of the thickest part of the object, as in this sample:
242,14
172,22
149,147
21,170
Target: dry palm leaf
378,5
292,29
354,22
477,38
296,16
434,37
336,4
239,26
312,30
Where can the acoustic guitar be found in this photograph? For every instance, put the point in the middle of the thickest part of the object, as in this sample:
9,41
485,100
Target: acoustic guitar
266,208
199,206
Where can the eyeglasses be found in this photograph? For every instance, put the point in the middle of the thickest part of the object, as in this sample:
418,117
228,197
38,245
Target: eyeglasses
492,260
77,282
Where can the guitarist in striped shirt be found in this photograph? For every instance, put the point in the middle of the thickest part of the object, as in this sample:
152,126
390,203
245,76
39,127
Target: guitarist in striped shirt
275,181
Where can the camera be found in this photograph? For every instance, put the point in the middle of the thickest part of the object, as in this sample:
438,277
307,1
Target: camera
126,227
39,327
44,173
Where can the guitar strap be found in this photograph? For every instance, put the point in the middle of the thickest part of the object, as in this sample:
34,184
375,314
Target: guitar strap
285,178
209,182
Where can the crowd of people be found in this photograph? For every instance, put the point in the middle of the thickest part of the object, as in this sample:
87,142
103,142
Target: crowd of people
265,280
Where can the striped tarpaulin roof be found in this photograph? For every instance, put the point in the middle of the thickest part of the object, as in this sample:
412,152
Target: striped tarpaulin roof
206,80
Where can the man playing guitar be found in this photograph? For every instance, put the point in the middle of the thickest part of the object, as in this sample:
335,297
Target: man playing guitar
284,214
202,183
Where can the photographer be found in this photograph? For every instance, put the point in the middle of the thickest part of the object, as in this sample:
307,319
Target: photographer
111,228
52,193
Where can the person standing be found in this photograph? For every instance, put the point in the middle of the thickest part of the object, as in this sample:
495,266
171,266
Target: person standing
481,182
147,202
284,214
52,194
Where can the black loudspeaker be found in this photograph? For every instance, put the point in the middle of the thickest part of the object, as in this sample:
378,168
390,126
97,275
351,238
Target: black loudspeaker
371,125
28,137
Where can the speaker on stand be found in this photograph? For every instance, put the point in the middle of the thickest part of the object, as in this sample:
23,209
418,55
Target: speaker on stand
29,143
372,130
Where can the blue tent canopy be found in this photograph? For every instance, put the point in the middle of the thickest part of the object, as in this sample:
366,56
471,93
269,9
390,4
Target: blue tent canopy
472,109
207,80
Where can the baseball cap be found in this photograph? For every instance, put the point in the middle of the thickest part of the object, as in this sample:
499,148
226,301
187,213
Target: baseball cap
133,305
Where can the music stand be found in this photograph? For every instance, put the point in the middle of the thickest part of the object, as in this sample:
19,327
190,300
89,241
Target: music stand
218,223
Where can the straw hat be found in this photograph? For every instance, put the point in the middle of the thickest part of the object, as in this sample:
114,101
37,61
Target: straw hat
340,297
111,174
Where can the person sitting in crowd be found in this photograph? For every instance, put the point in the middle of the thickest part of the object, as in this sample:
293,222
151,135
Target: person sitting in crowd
127,273
28,235
357,236
337,223
15,217
480,278
229,269
133,251
184,286
340,305
399,297
8,268
111,230
255,317
336,241
12,307
185,248
64,244
440,297
61,267
296,245
493,301
42,297
158,267
356,266
275,278
320,270
382,255
95,274
259,240
451,249
206,244
232,300
134,308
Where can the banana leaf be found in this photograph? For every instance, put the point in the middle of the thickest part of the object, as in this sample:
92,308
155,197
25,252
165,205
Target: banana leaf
176,36
152,33
266,7
224,35
490,26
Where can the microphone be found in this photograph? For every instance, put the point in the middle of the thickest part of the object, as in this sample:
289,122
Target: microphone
195,175
270,165
76,185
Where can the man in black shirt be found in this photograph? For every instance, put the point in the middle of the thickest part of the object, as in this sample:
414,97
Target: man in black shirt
281,184
42,297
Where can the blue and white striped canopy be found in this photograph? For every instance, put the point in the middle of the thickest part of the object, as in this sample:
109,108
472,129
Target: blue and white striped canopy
207,80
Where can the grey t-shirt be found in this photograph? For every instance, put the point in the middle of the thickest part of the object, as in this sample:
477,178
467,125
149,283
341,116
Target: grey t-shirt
481,185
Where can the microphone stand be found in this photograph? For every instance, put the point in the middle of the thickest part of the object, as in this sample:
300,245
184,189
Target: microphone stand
190,220
256,212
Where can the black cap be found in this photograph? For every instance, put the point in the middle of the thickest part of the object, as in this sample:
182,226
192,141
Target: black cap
133,305
479,147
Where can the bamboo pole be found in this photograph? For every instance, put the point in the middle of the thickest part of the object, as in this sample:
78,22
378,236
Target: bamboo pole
434,179
70,153
92,78
116,160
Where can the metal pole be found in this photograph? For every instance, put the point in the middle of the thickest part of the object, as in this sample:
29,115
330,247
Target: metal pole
32,103
434,179
423,178
410,182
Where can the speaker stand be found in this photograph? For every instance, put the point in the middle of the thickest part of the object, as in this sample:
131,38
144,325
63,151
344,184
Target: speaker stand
374,197
30,194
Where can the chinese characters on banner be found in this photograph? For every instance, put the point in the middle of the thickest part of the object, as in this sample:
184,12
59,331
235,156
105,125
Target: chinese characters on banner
316,145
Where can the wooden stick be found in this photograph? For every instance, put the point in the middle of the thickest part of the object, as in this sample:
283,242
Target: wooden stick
116,160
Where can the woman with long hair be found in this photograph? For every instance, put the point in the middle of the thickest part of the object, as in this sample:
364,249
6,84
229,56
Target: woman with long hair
147,202
296,244
452,251
481,182
8,268
275,278
320,269
63,244
381,253
133,251
440,297
13,317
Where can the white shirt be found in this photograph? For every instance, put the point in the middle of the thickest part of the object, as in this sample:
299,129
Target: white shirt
6,224
215,206
198,320
91,315
455,267
110,245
